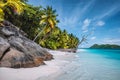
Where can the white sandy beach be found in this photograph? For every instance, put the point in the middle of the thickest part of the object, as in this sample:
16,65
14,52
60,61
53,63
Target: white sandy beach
66,66
62,61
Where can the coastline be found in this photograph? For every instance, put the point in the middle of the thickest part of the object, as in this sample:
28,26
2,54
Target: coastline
68,50
60,64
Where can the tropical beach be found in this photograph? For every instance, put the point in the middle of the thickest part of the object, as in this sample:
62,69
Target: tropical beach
59,39
62,61
86,65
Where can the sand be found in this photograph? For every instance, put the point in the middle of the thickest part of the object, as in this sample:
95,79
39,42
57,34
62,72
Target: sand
62,64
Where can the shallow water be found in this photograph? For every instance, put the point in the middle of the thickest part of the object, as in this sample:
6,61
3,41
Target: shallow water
99,64
90,64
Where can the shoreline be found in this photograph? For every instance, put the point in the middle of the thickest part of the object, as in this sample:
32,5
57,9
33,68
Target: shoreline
60,62
68,50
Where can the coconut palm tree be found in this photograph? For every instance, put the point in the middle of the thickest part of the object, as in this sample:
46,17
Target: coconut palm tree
48,19
15,5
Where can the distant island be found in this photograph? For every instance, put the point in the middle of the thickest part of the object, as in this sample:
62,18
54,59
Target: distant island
105,46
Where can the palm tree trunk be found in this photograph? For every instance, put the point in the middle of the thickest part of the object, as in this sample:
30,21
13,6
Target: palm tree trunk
47,35
39,34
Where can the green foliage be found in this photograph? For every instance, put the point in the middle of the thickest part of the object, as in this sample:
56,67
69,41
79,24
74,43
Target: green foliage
106,46
14,5
60,40
28,20
40,23
48,19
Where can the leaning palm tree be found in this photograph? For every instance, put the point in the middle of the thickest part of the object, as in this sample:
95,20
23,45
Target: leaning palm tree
15,5
48,19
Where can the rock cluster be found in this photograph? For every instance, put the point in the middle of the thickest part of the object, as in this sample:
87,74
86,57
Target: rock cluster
17,51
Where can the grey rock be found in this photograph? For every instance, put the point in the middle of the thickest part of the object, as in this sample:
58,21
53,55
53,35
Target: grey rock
6,31
18,51
4,46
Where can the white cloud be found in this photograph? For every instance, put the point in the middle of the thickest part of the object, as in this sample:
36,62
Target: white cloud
71,21
100,23
111,11
80,11
85,25
111,41
75,16
107,13
84,31
93,38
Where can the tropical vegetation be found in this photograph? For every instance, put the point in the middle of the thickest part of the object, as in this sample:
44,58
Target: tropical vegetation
106,46
14,5
40,24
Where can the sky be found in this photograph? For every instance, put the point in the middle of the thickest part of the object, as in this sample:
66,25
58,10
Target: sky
99,19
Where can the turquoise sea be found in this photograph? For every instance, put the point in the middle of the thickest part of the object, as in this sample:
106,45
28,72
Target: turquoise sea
90,64
99,64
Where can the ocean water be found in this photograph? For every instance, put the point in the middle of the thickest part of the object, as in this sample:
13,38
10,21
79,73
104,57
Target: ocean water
99,64
90,64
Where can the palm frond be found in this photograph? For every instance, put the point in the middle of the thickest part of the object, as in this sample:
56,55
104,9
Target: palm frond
51,23
2,4
42,21
16,5
1,15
